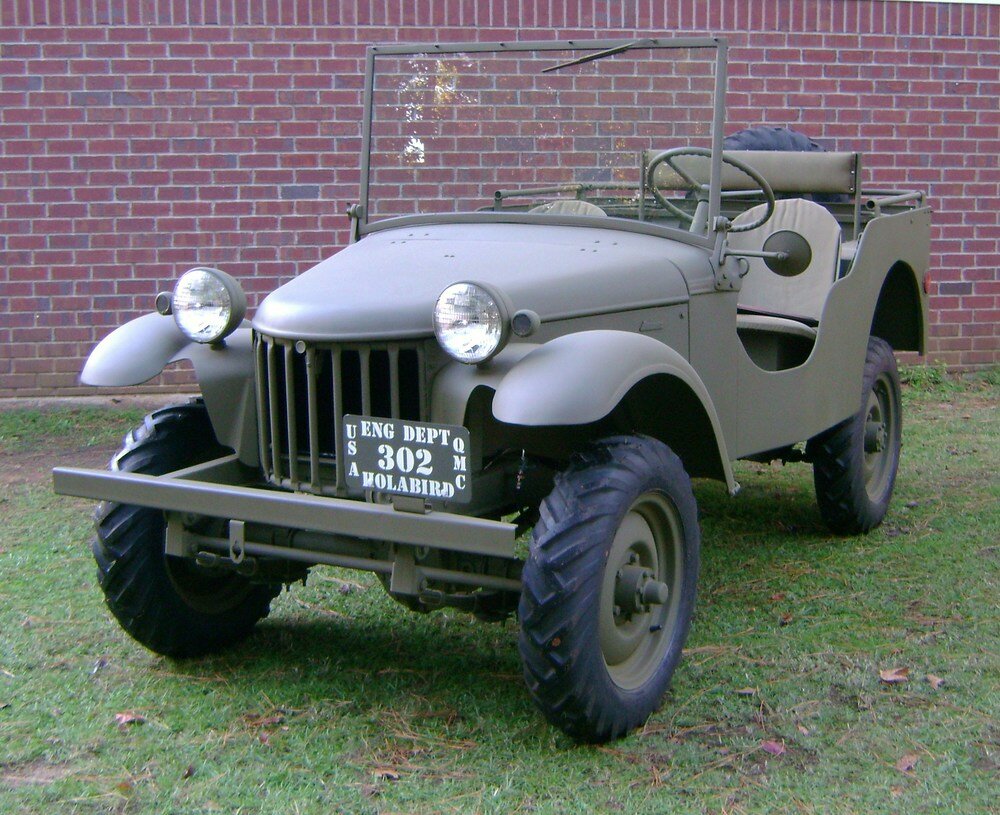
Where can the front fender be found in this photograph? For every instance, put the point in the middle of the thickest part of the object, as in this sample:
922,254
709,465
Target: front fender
580,378
139,350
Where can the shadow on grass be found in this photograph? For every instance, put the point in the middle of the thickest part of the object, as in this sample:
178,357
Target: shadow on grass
379,658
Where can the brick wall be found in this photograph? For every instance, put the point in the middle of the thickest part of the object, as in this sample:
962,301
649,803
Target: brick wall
140,137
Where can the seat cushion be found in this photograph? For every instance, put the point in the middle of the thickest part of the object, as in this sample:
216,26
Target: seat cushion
803,296
777,325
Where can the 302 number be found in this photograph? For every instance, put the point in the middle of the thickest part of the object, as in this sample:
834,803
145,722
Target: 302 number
404,460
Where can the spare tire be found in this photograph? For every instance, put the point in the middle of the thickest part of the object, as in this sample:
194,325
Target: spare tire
770,138
779,138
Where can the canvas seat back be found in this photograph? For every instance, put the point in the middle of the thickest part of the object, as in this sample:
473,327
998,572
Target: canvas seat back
803,296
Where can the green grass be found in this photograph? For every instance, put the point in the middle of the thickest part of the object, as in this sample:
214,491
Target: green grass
343,701
22,430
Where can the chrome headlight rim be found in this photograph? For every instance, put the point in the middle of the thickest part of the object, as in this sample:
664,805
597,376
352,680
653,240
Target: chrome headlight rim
233,301
503,310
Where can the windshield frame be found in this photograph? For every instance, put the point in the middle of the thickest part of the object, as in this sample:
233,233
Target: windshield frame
708,240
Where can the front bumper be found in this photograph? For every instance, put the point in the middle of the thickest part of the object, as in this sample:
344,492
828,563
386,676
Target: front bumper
207,489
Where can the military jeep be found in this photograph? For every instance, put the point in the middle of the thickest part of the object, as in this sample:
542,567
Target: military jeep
562,299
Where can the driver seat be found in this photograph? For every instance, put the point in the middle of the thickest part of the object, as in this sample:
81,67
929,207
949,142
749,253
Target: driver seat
773,302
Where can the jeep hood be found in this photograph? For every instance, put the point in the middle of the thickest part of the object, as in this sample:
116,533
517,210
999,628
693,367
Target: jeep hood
385,285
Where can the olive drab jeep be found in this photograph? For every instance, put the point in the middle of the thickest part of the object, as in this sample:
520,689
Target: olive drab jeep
567,292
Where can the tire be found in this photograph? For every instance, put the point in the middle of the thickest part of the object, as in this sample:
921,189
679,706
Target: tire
595,673
855,463
170,605
770,138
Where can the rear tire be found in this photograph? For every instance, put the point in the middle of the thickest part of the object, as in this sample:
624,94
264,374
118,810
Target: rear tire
608,588
168,604
771,138
855,462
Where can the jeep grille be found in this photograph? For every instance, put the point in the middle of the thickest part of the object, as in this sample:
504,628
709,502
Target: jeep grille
304,389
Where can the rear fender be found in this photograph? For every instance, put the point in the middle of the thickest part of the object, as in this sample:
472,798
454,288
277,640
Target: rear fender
580,378
140,349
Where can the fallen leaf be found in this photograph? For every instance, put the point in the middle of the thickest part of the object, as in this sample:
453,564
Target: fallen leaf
188,772
893,676
746,691
785,619
777,597
934,681
124,786
907,763
128,717
775,748
803,729
386,774
263,720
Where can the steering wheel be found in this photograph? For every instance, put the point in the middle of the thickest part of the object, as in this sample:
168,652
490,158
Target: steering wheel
668,156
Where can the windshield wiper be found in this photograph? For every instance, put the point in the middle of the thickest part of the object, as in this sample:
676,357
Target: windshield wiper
607,52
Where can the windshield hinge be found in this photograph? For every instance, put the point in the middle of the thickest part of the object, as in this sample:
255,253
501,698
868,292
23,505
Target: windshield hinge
728,269
355,212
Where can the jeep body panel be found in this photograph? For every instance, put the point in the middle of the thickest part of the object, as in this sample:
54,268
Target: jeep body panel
385,285
141,348
778,408
580,378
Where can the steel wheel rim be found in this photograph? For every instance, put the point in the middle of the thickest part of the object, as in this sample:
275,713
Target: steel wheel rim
879,438
634,643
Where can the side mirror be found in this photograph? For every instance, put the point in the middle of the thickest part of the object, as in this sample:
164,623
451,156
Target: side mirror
787,253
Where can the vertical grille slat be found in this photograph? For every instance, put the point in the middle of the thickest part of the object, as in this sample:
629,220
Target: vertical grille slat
394,380
338,411
275,414
366,382
290,418
304,390
313,412
260,382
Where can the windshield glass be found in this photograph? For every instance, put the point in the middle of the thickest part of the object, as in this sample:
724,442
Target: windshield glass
546,132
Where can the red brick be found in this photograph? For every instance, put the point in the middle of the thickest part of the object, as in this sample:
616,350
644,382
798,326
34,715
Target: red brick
166,142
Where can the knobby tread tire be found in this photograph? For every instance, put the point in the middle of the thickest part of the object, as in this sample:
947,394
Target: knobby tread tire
838,455
771,138
564,668
129,547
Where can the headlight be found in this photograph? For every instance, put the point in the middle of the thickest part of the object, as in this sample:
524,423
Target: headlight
471,322
208,304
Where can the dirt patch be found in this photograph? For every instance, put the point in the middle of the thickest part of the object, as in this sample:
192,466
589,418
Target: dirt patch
33,773
20,466
35,467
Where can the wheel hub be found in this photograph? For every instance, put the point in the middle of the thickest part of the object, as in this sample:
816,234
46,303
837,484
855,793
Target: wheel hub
875,436
636,590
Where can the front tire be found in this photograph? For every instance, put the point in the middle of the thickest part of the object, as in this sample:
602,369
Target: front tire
855,463
169,604
609,588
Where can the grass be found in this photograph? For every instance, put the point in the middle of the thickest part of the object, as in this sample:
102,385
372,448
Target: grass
22,430
343,701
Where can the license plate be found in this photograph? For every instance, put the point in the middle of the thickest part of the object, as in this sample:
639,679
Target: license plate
406,458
